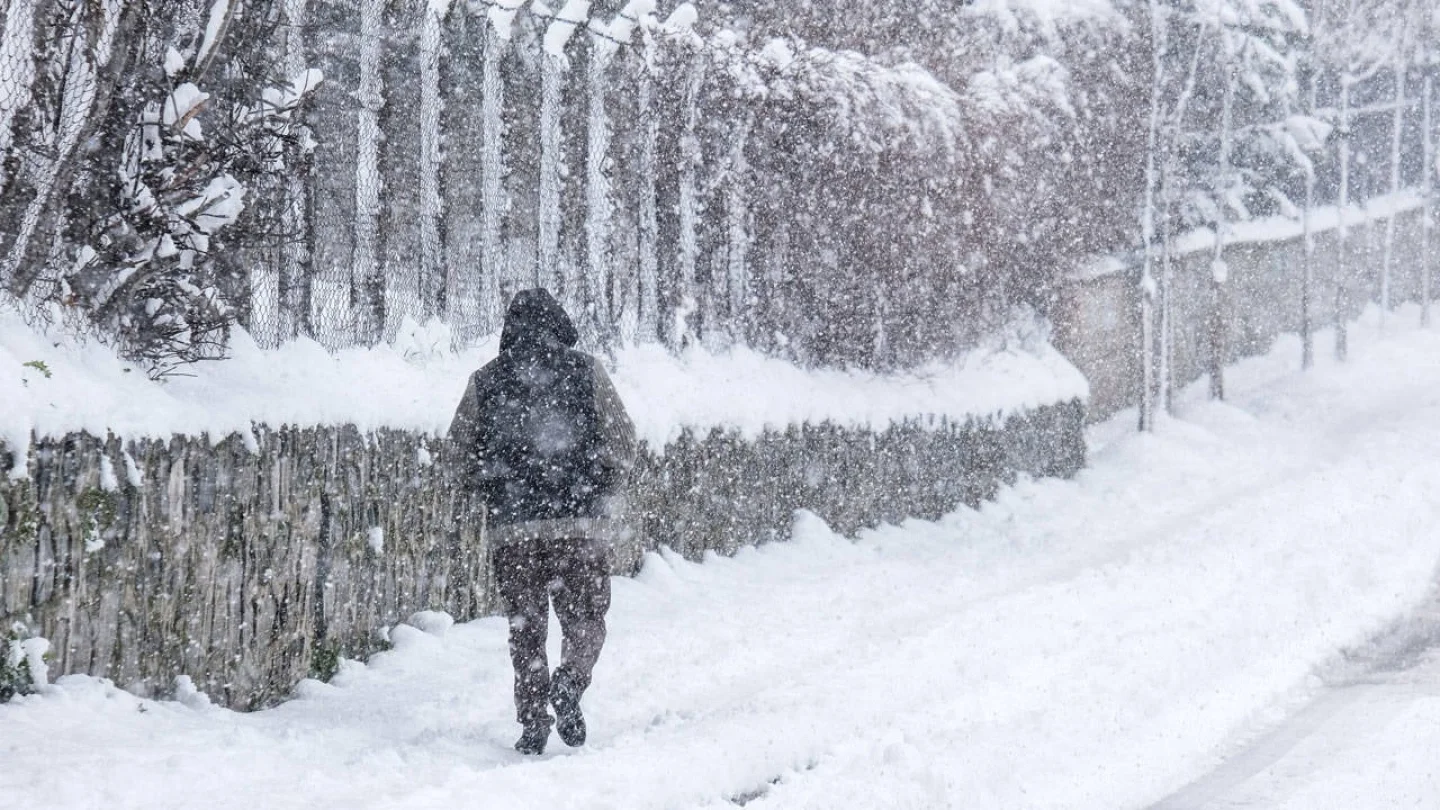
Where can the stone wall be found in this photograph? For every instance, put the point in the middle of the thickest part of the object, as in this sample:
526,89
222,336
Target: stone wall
1097,320
249,562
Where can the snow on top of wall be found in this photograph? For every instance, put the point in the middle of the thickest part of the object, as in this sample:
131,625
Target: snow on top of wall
1282,228
752,392
55,384
1267,229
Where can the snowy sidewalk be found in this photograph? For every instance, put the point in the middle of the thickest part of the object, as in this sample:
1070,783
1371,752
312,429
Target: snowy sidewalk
1101,642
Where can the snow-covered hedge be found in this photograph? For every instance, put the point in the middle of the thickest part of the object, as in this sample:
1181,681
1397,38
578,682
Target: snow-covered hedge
196,539
250,561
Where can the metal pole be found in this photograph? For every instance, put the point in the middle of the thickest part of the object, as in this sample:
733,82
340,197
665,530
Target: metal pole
1342,347
1307,279
1428,188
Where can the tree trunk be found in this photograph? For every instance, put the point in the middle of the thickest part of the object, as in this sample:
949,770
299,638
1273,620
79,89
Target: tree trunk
1307,278
17,53
463,163
437,285
1219,273
298,267
648,309
690,162
737,216
89,87
598,265
552,160
1148,226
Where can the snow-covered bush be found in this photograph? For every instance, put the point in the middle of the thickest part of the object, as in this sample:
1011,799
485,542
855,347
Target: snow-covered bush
146,132
23,667
150,278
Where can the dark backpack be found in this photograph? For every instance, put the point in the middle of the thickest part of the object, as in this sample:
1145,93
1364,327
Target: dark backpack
538,437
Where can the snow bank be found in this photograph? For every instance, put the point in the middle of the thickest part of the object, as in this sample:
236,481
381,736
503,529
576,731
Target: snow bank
53,385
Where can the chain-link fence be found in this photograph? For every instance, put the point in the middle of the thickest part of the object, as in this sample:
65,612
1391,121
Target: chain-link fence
671,186
17,74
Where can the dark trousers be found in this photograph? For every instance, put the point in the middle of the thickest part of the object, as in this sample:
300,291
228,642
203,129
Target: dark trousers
576,575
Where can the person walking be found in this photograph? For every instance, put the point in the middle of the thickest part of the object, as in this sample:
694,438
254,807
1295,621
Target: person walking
540,441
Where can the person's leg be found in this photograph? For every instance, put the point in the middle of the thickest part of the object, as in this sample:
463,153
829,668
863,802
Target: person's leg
520,573
581,601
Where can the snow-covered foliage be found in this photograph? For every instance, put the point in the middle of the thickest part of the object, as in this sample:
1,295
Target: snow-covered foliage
1246,80
23,667
150,278
849,182
158,125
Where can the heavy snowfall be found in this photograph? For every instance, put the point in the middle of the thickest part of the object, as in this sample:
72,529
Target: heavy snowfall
984,404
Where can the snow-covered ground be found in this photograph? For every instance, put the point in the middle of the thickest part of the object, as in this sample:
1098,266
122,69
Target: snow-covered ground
1096,643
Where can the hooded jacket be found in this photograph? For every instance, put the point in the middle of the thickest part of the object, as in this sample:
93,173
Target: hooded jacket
541,437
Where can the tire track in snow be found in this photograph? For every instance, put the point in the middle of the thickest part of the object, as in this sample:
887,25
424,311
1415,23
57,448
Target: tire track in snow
1365,690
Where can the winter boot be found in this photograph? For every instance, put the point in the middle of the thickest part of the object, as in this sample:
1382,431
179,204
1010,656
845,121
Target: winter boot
532,742
569,722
